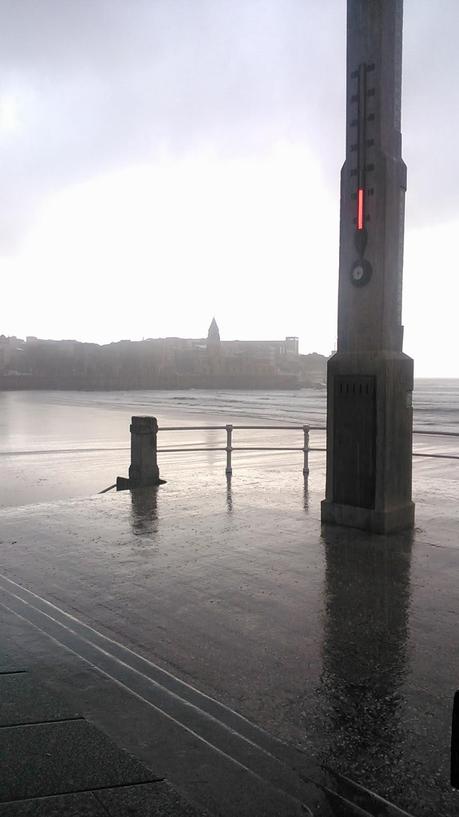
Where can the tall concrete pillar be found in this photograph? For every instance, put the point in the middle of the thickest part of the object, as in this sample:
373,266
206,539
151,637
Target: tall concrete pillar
143,469
370,380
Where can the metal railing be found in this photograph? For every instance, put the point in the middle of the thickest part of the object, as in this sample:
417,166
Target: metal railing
436,434
305,448
229,448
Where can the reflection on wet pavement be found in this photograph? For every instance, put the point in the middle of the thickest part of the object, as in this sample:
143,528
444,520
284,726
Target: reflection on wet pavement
365,651
229,495
144,511
340,642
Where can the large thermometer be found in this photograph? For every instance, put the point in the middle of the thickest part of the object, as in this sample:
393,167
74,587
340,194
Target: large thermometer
361,269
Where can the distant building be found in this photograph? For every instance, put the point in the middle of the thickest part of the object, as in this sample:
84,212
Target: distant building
158,363
267,349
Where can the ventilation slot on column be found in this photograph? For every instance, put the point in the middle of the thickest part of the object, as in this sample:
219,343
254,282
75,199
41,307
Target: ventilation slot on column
354,440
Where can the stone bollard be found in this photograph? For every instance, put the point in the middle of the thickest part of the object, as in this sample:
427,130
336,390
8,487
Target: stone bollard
143,470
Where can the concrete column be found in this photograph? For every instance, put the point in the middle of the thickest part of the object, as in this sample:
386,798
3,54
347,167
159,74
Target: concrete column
144,468
370,380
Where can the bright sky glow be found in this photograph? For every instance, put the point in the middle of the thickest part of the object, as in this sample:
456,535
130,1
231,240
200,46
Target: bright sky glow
175,161
431,295
158,250
9,119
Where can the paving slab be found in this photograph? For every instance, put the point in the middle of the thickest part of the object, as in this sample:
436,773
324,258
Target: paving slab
144,800
147,800
68,805
24,700
9,662
63,757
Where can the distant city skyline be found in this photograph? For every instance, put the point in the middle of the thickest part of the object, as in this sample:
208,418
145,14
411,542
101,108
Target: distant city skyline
212,330
163,164
208,361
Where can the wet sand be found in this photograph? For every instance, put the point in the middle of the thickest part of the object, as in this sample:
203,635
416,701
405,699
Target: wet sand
63,445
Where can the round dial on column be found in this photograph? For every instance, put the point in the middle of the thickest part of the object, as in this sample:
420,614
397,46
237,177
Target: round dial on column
361,273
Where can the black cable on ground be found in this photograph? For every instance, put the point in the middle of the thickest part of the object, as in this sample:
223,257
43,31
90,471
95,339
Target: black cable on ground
108,489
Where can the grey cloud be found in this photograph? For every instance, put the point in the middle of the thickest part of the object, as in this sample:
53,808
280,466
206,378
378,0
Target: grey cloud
107,83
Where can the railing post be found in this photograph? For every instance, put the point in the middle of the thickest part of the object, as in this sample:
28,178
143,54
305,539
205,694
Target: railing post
229,448
306,450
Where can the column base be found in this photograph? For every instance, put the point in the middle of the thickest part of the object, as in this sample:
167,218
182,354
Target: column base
383,522
125,484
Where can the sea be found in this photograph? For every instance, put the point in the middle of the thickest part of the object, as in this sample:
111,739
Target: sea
57,445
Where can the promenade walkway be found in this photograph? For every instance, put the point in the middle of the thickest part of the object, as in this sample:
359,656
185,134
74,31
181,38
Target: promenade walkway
55,763
227,642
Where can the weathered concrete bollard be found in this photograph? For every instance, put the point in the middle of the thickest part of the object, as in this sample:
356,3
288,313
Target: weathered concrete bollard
143,470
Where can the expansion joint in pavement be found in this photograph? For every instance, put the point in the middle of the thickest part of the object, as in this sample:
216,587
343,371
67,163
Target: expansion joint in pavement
285,771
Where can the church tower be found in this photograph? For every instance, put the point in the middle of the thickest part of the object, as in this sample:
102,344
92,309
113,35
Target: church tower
213,335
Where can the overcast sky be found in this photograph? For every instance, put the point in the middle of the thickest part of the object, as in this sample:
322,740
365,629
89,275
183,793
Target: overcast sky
164,161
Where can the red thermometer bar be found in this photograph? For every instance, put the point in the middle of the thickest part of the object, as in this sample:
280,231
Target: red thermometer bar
360,208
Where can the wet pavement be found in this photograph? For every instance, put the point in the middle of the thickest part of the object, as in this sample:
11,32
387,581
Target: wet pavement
339,643
54,762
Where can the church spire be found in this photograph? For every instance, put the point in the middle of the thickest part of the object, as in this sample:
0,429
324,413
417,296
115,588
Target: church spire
213,334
